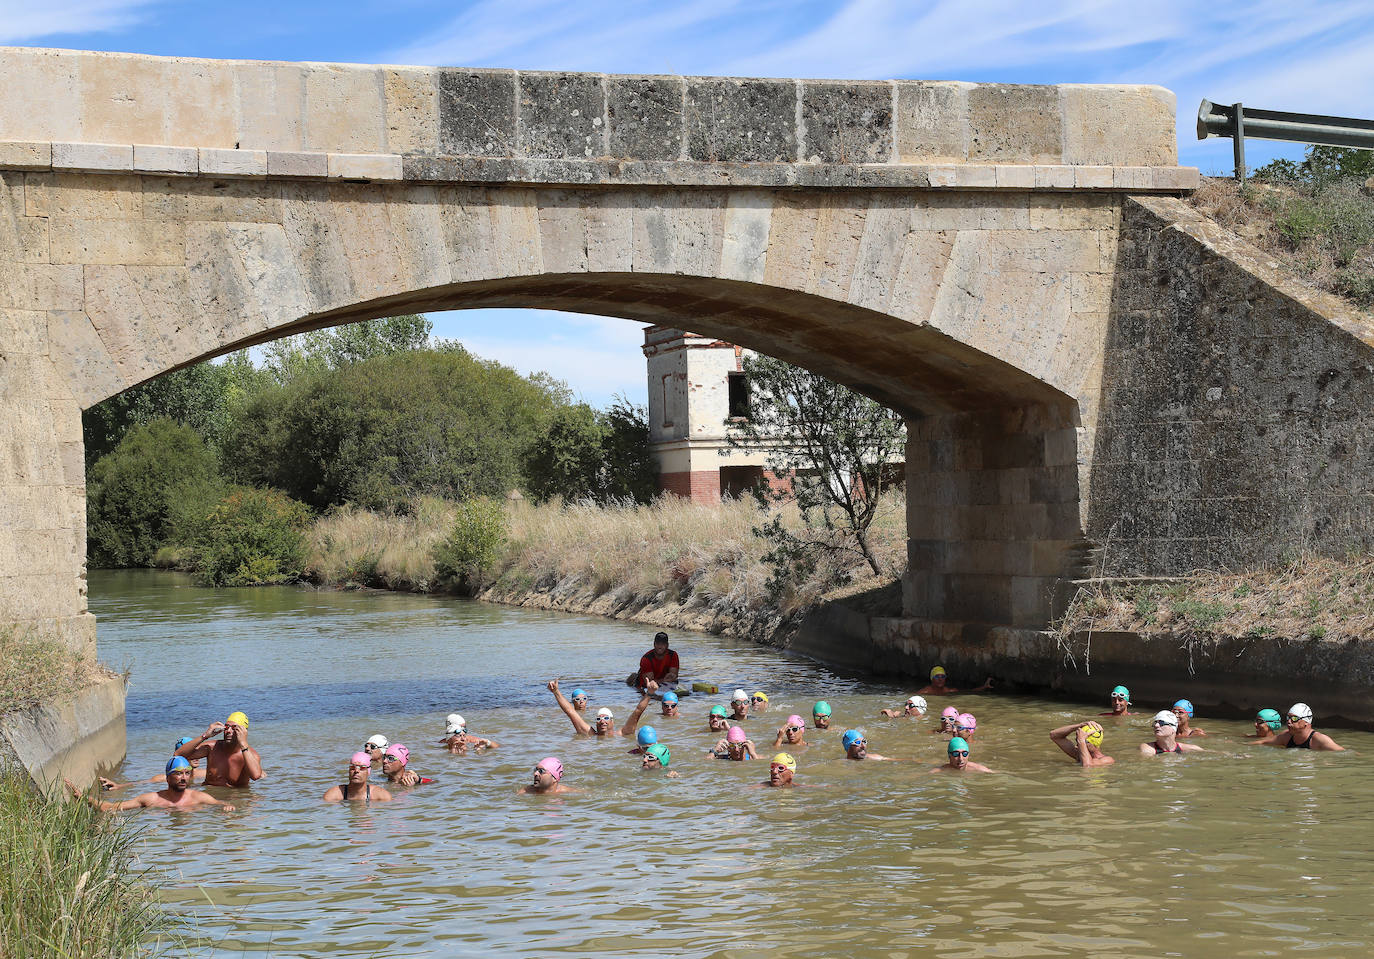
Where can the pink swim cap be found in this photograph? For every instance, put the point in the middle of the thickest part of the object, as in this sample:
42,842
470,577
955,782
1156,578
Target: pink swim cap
949,712
360,758
398,751
967,721
552,766
795,720
735,735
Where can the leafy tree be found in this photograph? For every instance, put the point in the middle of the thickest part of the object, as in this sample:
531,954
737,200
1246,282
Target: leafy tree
598,455
630,469
473,543
252,537
319,350
833,444
1321,166
159,475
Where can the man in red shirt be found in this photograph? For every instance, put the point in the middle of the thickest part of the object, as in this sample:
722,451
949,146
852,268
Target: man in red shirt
659,664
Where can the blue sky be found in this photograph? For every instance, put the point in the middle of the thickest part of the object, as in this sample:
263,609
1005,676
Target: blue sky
1306,57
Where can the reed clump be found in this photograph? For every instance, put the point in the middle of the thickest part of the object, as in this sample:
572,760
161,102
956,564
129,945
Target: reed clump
71,885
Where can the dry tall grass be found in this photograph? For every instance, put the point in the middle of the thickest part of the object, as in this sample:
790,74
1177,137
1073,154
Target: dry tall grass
355,547
35,671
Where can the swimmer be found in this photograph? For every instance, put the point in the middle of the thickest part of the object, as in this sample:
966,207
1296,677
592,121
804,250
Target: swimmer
820,715
1121,702
229,761
913,708
376,747
949,718
659,665
458,740
1082,742
1166,736
758,701
718,721
645,737
1301,735
605,719
579,699
657,756
739,706
939,684
396,770
1268,723
856,746
793,733
548,778
197,773
959,762
736,745
358,789
782,770
1183,709
669,704
177,795
965,726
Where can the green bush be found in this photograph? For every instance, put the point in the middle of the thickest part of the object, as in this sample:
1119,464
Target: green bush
160,475
254,537
473,544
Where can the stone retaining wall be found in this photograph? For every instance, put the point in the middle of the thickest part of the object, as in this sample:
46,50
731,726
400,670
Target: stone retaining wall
77,736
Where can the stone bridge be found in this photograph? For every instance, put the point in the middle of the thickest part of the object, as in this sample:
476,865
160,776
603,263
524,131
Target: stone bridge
1096,380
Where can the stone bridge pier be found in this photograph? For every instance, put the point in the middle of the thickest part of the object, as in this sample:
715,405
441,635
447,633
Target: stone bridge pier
1092,376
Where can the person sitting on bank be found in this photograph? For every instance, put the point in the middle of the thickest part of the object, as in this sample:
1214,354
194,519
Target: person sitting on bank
958,762
357,789
914,708
197,773
1166,736
793,733
1268,724
605,719
718,721
939,684
398,772
177,795
1082,742
457,740
548,779
856,746
229,761
1301,735
820,714
739,706
736,746
659,664
1121,702
1183,709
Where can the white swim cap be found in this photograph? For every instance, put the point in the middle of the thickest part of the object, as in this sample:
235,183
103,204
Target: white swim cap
1167,717
455,724
917,703
740,696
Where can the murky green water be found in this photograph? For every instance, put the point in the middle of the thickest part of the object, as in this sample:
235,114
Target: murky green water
1243,851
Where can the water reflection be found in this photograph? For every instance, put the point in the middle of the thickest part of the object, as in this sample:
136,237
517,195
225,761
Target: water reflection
1243,851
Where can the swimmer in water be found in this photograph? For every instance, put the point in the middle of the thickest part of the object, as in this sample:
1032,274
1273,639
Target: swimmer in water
782,771
376,748
736,745
820,715
949,718
229,761
669,704
579,699
1301,735
458,740
1268,724
357,789
856,746
645,737
1121,702
758,701
739,706
913,708
793,733
1166,736
398,773
197,773
965,726
939,684
1082,742
718,721
548,778
177,795
657,756
605,719
1183,709
958,750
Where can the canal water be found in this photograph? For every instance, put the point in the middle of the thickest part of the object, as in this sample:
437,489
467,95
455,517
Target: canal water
1241,851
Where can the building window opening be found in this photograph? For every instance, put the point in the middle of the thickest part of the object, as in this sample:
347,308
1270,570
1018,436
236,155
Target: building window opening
739,395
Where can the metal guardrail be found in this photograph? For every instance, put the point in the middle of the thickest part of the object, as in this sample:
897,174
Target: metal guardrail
1236,122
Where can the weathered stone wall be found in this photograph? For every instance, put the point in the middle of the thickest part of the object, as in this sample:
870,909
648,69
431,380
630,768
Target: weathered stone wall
1237,414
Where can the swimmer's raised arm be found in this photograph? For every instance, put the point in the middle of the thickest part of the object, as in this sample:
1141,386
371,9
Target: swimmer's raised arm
629,728
580,725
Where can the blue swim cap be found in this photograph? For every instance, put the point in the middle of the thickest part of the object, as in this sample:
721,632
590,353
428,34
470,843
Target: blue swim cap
177,762
183,741
579,692
669,698
958,744
646,736
1186,706
850,737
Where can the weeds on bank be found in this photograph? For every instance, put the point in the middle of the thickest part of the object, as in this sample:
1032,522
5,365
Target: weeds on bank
34,671
70,886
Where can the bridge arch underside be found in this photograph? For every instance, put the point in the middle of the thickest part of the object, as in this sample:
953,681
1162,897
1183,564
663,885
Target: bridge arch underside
981,317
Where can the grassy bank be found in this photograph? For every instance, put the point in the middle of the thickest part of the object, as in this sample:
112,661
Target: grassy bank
70,885
35,671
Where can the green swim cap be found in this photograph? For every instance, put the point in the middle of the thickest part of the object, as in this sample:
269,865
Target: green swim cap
1123,692
659,752
1270,718
958,743
718,711
821,708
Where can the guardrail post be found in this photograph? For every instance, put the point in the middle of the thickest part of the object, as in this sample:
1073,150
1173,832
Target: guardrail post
1238,140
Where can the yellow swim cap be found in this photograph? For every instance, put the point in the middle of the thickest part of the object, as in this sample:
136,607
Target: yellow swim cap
937,671
760,694
1094,736
238,719
784,759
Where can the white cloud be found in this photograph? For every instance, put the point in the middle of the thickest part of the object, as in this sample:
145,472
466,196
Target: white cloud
24,22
